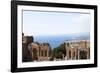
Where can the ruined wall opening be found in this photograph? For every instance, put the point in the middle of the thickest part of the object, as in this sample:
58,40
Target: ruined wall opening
83,54
34,54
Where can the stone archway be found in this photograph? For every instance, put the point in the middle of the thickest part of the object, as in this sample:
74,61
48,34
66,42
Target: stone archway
83,54
34,54
69,54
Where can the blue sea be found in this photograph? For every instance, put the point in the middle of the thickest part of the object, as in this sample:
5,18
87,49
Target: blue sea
55,41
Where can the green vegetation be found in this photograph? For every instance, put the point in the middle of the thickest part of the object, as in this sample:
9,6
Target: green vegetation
59,51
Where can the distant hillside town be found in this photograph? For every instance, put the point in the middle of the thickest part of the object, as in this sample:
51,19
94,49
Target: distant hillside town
68,50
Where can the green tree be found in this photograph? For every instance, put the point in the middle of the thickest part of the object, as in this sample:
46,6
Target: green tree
59,51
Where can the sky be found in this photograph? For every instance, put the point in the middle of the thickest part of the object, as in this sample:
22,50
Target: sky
42,23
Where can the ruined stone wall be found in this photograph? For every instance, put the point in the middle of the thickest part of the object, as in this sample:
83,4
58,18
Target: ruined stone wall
43,51
77,49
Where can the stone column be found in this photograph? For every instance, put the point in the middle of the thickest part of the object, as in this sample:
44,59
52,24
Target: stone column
67,53
47,52
78,54
71,54
63,56
32,55
87,53
75,55
40,52
43,53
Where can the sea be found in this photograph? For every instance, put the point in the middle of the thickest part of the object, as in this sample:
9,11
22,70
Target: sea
56,40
